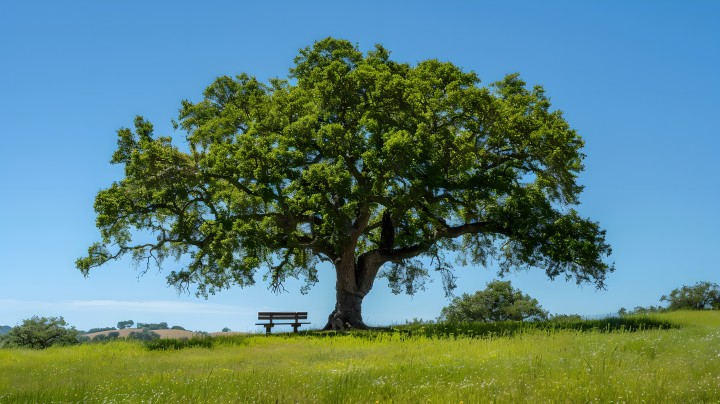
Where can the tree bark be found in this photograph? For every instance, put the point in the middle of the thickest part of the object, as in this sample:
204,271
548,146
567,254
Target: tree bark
347,314
350,289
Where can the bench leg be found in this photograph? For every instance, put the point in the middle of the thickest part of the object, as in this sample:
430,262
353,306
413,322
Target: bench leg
268,327
295,327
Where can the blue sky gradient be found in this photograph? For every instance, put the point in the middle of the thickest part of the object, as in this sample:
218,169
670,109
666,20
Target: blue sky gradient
638,80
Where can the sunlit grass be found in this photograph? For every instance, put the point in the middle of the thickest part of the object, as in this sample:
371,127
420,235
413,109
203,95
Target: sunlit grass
559,365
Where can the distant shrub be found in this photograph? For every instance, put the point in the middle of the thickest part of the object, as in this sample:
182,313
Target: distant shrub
104,337
41,333
226,329
177,327
93,330
153,326
639,310
4,329
566,317
416,321
144,335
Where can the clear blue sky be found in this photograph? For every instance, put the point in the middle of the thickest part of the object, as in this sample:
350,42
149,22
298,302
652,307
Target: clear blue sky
639,80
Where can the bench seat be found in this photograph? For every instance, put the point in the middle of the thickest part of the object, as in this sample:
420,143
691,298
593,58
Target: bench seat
271,316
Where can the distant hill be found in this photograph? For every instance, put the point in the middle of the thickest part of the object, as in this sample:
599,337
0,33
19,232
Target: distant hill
4,329
164,333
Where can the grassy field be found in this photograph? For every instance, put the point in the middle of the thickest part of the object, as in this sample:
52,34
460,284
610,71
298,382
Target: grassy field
534,365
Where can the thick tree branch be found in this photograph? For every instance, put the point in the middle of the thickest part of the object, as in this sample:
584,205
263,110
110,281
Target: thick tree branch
448,232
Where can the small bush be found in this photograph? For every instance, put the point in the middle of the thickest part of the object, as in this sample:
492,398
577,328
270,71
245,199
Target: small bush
153,326
93,330
144,335
566,317
106,337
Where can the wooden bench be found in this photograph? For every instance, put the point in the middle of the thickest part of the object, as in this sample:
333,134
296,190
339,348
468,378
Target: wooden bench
270,316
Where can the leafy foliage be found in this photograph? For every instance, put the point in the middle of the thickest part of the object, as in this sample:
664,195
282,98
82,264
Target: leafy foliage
567,317
641,310
113,335
701,296
144,335
101,329
358,160
153,326
41,333
498,302
121,325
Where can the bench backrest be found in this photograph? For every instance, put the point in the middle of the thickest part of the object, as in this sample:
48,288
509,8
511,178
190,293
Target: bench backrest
282,315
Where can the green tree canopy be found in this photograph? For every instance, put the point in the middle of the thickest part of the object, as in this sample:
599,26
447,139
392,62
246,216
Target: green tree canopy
499,301
701,296
360,161
101,329
153,326
121,325
41,333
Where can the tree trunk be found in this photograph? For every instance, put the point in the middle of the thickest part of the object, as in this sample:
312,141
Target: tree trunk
350,289
347,314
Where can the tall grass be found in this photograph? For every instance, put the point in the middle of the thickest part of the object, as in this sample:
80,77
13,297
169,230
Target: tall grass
534,365
510,328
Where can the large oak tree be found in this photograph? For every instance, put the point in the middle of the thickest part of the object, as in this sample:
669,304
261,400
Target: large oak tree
360,161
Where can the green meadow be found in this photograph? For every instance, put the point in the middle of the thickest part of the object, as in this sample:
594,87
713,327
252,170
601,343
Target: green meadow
670,357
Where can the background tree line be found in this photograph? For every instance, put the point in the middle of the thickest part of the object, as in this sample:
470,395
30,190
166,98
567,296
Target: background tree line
499,301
